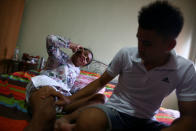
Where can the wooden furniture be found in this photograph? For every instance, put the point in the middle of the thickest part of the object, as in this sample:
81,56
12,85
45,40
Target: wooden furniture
10,66
24,66
11,12
29,62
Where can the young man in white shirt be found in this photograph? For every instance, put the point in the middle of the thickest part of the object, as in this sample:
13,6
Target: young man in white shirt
147,74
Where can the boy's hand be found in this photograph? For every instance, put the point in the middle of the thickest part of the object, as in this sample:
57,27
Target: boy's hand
62,100
48,91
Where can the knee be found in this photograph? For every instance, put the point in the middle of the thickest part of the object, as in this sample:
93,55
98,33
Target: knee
93,118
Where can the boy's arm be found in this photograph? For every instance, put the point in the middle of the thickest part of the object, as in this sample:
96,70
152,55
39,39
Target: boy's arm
93,87
47,91
90,89
187,120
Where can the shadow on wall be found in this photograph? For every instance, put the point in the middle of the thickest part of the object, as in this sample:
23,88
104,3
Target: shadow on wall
171,101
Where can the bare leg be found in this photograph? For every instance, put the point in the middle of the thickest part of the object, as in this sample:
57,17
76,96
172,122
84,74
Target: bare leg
92,119
93,99
85,118
43,111
67,122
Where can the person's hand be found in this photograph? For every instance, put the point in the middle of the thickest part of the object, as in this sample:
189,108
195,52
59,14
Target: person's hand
75,47
62,100
48,91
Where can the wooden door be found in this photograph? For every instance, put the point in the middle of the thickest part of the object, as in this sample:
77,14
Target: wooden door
11,12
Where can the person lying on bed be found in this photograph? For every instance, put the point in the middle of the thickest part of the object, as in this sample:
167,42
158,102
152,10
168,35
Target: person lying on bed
147,74
58,78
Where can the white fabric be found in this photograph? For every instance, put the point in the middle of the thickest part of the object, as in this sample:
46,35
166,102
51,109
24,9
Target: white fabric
43,80
140,92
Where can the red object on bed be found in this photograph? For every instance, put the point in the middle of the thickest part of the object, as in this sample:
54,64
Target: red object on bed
7,124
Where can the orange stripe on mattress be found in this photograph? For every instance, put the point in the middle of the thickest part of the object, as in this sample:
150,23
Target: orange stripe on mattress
7,124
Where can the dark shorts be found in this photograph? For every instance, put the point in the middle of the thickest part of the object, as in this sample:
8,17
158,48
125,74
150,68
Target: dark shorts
119,121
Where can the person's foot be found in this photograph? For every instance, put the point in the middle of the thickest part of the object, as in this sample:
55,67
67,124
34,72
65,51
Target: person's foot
63,125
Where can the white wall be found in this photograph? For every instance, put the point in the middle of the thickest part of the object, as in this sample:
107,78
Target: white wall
101,25
186,40
188,33
104,26
193,46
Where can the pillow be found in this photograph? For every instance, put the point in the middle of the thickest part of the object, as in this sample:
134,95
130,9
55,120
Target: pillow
99,68
95,67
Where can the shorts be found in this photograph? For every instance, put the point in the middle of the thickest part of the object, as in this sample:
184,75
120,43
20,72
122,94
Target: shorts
31,88
121,121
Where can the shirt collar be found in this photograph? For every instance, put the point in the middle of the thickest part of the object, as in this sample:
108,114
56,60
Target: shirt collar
135,56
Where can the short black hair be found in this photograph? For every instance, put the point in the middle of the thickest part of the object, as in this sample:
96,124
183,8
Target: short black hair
162,17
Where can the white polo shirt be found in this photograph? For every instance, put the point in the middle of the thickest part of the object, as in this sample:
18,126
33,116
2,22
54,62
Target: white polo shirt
140,92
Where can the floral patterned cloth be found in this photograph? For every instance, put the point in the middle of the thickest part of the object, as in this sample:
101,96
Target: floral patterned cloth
56,57
66,72
59,67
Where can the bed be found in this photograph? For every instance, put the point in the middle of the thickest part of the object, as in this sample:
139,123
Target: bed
13,110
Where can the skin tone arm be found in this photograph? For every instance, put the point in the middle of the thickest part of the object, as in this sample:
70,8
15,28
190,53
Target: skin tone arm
48,91
89,90
93,87
187,120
